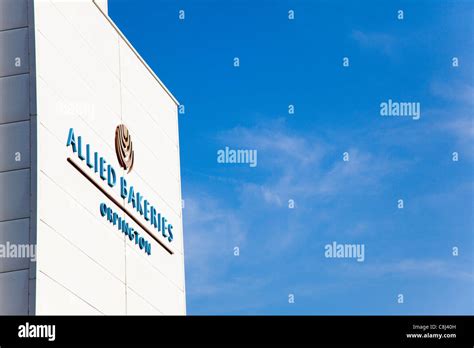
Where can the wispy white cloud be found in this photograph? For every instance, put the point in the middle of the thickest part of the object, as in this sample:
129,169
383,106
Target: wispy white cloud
300,166
363,169
384,42
304,165
211,232
419,268
456,117
457,91
275,137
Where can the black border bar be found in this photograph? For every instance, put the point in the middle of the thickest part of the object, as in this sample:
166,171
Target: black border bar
262,330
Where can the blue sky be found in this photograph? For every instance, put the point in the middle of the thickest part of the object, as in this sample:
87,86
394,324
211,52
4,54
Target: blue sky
300,157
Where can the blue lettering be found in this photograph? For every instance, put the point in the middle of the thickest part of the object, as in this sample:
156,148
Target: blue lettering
71,140
96,162
170,228
146,210
148,247
131,197
102,168
88,156
123,187
163,224
103,208
79,149
153,216
109,214
136,237
139,203
111,177
127,229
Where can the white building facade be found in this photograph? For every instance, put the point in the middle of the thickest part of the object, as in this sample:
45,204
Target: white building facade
89,168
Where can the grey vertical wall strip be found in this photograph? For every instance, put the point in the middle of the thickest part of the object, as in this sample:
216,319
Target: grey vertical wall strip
15,150
33,156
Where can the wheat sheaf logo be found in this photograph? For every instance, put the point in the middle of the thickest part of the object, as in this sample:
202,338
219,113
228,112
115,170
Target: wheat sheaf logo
124,147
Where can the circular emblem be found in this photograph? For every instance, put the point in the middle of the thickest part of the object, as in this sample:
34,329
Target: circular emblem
124,147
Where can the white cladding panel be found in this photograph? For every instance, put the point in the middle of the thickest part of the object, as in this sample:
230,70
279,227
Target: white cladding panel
103,4
64,302
91,80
